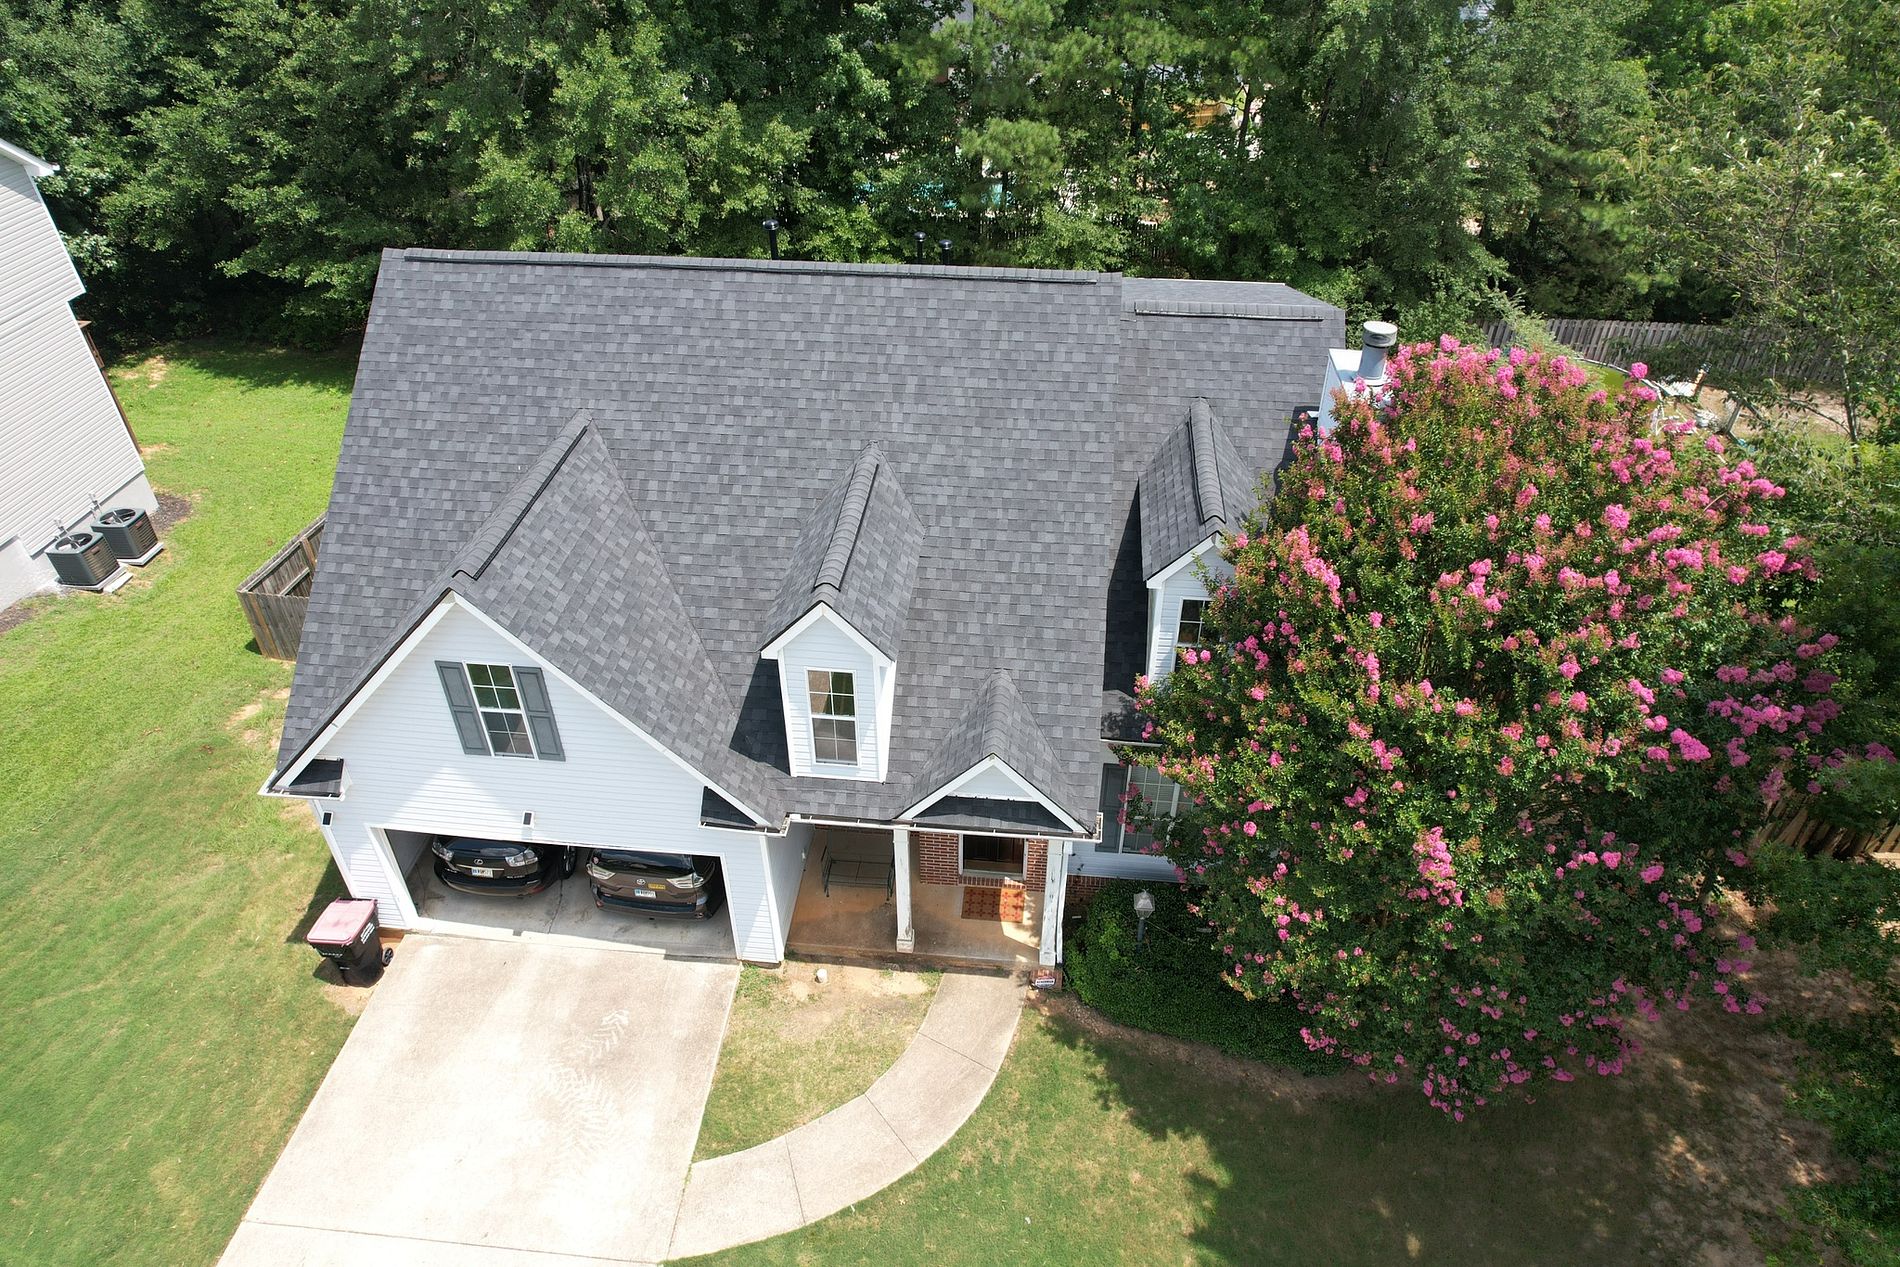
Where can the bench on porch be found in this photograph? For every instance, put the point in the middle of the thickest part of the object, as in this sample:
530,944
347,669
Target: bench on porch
856,871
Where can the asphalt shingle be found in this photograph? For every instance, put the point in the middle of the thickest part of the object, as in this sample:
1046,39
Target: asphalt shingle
725,403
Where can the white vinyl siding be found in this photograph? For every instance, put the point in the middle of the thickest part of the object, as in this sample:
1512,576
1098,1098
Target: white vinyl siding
408,772
822,645
62,442
1164,609
785,863
35,270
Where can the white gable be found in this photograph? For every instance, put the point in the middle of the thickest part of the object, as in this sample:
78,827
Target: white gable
1169,589
824,642
615,788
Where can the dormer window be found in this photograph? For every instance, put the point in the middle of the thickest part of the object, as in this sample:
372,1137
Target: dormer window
834,716
1193,611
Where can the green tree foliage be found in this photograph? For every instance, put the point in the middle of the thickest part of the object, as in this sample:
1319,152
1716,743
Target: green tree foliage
1778,174
1501,684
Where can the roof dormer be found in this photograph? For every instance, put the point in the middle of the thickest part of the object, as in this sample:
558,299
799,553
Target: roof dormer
1195,488
839,621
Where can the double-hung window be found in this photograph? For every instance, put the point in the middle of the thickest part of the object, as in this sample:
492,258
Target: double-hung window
501,710
499,703
1190,630
834,716
1158,796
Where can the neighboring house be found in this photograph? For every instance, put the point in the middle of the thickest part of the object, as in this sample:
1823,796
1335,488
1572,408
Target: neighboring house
64,446
716,556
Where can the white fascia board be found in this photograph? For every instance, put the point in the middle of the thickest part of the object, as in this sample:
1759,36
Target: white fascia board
886,709
1162,577
363,692
1028,792
463,603
36,167
775,649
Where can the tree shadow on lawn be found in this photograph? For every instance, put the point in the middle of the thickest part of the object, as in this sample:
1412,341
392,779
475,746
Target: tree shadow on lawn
1687,1158
257,366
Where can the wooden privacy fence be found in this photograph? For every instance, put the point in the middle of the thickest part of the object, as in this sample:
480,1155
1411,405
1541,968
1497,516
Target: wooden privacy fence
276,597
1673,347
1795,827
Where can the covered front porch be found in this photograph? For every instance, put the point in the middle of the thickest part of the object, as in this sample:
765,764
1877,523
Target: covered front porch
873,893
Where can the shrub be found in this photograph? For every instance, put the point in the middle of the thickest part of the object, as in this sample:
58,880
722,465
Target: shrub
1498,690
1170,983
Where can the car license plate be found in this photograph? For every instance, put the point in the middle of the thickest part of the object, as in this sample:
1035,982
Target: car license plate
644,893
485,873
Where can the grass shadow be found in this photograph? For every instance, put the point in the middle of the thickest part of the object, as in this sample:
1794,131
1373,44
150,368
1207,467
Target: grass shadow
329,888
1330,1169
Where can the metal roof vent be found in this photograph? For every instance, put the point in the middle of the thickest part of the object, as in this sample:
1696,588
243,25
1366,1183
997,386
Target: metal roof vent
1378,338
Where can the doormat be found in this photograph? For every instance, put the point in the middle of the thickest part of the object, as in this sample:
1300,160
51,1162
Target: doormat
993,904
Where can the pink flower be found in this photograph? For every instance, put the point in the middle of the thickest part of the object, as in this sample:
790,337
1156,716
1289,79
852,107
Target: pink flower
1616,517
1638,370
1652,873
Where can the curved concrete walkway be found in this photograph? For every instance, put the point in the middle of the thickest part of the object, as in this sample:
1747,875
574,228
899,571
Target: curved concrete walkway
870,1142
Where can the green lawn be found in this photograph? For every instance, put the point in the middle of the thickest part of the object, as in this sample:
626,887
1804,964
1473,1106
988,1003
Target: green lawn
1098,1149
794,1050
162,1026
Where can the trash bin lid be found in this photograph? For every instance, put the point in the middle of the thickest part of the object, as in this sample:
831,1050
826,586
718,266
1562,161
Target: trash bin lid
342,921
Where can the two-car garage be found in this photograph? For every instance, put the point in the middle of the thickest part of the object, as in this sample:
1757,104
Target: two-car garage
566,892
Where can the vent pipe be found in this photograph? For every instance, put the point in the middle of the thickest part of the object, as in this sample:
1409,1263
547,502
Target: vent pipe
771,237
1378,338
920,235
943,250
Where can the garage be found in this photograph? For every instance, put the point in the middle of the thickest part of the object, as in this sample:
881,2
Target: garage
565,909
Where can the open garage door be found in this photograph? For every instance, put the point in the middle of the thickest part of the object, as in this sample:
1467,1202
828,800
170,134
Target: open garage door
504,888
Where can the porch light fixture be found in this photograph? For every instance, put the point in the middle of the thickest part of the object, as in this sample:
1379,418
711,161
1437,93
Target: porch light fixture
1144,907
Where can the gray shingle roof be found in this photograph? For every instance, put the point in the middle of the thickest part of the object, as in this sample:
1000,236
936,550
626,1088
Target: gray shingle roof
1197,484
728,400
857,553
996,724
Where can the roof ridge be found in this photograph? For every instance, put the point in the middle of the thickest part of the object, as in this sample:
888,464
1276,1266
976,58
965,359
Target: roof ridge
997,692
1207,489
844,532
520,498
576,259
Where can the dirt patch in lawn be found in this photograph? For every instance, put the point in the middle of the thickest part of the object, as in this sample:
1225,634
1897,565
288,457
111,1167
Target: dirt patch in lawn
172,511
239,722
149,372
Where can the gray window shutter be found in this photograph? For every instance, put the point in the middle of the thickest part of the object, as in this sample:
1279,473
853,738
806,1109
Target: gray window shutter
462,707
534,702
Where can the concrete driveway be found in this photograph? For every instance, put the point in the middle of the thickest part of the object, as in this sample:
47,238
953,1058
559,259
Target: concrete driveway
501,1104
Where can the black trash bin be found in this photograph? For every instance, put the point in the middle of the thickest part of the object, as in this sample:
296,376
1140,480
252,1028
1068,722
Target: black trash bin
346,934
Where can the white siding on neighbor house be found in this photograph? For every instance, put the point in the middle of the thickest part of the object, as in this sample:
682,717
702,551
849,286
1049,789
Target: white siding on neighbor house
62,442
407,771
822,645
1164,608
35,270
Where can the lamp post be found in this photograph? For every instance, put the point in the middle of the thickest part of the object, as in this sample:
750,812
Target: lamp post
1144,907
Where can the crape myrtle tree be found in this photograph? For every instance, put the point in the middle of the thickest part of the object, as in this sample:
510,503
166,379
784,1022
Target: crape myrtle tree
1482,724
